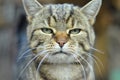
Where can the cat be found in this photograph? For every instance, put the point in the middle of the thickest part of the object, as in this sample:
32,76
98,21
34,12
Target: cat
61,40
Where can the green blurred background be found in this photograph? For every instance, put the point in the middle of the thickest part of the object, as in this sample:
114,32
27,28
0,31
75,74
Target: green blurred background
107,28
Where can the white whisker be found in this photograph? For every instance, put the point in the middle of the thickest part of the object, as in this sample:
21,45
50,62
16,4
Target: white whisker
30,55
22,56
27,51
30,63
97,50
91,67
95,62
81,66
41,63
98,60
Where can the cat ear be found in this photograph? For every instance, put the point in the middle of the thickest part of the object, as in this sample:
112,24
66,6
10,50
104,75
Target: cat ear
91,9
31,7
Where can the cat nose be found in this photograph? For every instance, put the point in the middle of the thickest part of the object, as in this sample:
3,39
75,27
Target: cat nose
61,42
61,38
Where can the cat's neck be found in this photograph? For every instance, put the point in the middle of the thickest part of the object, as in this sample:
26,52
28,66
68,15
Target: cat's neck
62,72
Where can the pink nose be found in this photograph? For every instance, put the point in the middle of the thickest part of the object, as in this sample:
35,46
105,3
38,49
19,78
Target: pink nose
61,38
61,42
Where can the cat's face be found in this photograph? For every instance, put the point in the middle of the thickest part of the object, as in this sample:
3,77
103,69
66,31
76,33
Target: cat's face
61,31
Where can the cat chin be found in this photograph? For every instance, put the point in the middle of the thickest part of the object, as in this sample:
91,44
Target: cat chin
61,59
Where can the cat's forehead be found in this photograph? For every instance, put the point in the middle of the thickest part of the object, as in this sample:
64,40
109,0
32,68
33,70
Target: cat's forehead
60,11
61,15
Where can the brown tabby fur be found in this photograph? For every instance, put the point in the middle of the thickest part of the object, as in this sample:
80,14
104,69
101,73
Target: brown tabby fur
61,37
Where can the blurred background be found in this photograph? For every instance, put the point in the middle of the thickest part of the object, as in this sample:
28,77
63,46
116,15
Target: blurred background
107,28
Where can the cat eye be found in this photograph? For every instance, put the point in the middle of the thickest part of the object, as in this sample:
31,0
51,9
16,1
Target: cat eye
47,30
74,31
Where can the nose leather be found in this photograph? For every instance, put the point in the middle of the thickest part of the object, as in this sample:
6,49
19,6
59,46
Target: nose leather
61,38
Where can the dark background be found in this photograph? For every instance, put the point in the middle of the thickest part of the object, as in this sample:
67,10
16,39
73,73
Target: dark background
107,28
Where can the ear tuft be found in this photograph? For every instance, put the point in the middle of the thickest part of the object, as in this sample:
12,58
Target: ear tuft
31,7
91,9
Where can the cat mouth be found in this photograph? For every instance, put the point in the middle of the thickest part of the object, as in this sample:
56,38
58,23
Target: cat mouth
61,52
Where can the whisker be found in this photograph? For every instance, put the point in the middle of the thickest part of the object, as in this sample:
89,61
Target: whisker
86,62
85,78
24,53
98,65
98,60
95,63
30,55
27,51
97,50
30,63
41,63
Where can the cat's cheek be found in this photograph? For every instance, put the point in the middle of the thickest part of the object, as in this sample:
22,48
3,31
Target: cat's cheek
86,46
33,44
82,40
45,37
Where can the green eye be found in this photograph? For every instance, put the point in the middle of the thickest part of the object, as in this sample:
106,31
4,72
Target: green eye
74,31
47,30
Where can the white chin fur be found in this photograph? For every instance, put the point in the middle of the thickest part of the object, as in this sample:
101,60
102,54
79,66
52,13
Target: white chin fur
60,58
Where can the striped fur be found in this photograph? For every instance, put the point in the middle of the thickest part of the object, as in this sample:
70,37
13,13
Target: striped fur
65,33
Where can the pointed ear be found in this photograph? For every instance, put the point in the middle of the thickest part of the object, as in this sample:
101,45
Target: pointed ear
91,9
31,7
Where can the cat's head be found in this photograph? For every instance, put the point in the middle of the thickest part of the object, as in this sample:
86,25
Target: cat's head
63,31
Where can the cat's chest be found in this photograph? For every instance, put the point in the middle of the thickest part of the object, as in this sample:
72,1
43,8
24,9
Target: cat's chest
61,72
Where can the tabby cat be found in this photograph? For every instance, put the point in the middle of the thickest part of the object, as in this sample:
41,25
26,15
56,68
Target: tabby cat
61,40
